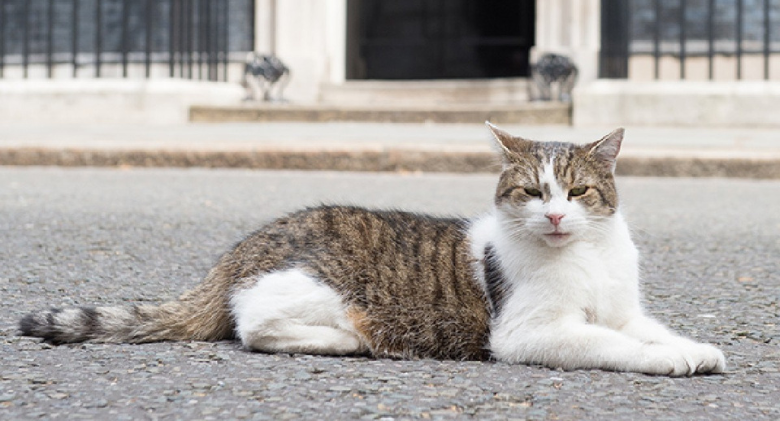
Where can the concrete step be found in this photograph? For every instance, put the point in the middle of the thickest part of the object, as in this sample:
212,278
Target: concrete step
530,113
426,92
647,151
368,159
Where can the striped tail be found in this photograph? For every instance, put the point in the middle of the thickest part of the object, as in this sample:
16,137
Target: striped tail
195,317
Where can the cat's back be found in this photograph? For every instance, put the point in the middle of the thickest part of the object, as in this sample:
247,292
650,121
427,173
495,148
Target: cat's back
383,254
357,232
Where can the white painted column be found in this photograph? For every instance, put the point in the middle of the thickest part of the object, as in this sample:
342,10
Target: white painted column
310,38
571,28
336,39
265,26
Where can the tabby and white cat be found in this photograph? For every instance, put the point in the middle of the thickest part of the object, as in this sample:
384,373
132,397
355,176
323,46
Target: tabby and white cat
548,277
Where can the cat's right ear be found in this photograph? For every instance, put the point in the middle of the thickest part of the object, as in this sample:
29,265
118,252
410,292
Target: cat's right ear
508,145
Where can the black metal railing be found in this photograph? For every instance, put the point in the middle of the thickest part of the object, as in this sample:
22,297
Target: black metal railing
195,39
689,29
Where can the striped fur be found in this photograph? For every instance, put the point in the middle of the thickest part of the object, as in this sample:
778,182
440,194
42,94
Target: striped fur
408,277
200,314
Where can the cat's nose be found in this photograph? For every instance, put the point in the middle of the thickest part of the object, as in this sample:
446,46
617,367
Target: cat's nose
555,218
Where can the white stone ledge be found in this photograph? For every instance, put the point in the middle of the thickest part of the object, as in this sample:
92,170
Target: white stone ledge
678,103
84,101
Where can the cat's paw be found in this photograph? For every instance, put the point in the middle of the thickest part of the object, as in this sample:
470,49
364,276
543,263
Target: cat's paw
684,358
666,360
708,359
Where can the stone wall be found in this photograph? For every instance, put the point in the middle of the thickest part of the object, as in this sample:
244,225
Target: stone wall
677,103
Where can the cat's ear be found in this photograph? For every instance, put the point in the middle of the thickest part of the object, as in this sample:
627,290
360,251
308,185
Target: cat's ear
606,150
509,145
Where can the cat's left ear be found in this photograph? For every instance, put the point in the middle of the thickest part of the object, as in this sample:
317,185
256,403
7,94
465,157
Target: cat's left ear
606,150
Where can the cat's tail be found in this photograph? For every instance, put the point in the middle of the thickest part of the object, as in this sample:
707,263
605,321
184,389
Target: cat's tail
201,314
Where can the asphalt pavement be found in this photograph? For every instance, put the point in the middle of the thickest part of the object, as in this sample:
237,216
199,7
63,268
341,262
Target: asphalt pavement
89,236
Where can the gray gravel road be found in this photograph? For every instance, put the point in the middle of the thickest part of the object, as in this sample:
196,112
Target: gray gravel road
86,236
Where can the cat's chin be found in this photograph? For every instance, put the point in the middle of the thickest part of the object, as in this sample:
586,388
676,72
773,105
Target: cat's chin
557,239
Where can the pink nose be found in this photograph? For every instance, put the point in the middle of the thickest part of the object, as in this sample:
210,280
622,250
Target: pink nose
555,218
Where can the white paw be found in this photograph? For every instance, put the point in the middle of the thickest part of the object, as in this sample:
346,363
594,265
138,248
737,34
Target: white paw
684,358
666,360
708,359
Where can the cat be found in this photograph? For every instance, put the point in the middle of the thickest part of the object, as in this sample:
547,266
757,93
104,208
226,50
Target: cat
549,276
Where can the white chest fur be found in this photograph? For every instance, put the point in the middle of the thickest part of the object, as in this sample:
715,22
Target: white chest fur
594,281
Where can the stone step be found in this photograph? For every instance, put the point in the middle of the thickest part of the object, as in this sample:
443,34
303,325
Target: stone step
367,159
426,92
530,113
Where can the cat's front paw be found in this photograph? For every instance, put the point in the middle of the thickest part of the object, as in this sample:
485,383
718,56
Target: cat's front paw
708,359
666,360
685,358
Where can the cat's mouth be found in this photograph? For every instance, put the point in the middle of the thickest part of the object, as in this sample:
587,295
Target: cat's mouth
557,239
558,235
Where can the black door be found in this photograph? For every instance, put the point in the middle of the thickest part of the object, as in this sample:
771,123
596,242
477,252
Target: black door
439,39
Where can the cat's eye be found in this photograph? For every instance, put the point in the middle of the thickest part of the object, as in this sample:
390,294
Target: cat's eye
533,192
578,191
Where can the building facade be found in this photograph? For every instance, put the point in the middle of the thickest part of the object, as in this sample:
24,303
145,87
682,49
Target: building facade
639,61
329,43
669,62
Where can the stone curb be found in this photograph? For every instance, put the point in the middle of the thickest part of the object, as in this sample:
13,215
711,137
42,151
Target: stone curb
397,160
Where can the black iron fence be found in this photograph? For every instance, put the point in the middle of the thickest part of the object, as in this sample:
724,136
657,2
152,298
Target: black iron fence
194,39
690,29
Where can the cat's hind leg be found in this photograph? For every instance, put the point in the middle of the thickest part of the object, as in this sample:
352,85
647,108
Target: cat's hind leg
290,311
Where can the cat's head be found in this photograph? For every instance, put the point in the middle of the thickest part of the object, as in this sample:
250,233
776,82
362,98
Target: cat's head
556,192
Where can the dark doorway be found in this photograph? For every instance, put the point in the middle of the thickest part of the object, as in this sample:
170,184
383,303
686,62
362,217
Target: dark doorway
439,39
